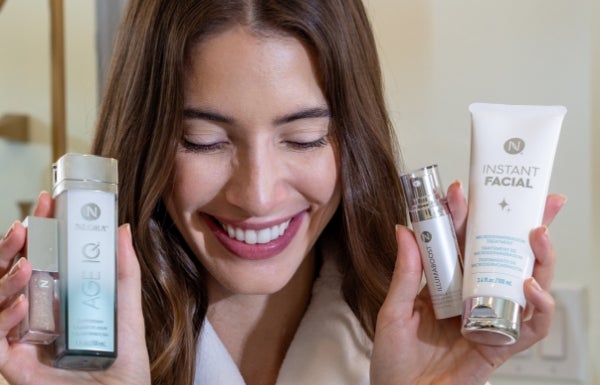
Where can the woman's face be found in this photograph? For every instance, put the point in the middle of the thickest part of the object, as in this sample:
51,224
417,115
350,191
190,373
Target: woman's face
256,176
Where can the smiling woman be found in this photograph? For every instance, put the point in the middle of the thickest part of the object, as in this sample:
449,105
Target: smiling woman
265,160
276,117
260,192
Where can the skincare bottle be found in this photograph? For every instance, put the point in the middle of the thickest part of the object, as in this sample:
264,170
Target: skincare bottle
434,232
512,154
40,325
85,194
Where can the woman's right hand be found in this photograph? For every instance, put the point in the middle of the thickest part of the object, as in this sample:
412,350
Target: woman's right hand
24,364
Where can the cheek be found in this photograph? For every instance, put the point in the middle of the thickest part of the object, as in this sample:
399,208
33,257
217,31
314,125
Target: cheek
195,183
320,178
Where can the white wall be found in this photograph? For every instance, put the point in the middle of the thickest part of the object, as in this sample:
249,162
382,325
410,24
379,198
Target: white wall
25,88
441,55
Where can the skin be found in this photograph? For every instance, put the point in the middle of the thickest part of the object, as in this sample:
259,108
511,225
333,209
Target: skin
255,152
406,318
132,366
437,355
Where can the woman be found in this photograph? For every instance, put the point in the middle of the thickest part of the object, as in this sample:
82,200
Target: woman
257,178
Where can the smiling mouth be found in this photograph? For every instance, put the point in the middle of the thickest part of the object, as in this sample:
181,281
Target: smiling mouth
252,236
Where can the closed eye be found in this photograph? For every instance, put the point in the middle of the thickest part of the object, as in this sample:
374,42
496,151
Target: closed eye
321,142
201,147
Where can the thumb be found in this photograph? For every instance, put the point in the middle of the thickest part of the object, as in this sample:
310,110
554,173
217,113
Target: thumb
130,316
406,281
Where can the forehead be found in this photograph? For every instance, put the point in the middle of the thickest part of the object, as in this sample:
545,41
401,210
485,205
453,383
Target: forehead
239,51
241,69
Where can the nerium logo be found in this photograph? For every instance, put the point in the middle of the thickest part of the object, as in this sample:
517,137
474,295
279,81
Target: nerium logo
90,211
514,146
426,236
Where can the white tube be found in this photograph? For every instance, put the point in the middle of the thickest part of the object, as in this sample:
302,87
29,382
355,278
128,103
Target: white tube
512,152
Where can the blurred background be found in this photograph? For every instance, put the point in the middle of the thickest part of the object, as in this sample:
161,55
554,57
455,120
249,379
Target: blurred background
438,56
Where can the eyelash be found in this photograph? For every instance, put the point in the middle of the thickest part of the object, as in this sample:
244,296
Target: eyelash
205,148
321,142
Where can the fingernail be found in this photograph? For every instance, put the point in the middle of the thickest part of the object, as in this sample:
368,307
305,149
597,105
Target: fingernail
15,268
459,183
10,230
17,300
397,228
527,313
565,198
535,285
128,228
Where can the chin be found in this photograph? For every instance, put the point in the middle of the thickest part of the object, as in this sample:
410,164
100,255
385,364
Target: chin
257,287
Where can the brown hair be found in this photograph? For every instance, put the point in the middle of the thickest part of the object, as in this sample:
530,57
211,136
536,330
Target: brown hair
140,124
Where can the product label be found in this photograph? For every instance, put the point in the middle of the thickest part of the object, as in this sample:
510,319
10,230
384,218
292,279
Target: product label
507,191
501,263
441,263
91,269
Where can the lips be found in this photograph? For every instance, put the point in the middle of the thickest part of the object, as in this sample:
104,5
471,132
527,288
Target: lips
256,242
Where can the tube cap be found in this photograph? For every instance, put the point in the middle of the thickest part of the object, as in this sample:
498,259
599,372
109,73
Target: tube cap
41,248
422,187
87,172
491,320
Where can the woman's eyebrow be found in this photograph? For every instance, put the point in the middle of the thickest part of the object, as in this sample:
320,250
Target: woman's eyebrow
195,113
307,113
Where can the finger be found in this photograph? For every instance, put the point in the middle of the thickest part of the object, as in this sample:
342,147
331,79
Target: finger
14,281
12,315
130,299
539,325
458,209
131,321
545,256
12,242
545,261
554,203
44,206
406,280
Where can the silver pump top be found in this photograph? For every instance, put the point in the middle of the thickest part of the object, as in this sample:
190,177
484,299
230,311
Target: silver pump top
86,172
422,187
41,248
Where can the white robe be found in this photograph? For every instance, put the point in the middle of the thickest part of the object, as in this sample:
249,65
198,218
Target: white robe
329,348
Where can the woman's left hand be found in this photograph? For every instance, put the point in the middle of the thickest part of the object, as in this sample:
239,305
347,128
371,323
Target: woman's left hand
412,347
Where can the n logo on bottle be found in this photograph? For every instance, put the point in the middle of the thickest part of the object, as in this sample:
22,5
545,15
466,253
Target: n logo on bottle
514,146
90,212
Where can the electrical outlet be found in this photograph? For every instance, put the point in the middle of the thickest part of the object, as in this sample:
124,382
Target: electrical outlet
562,355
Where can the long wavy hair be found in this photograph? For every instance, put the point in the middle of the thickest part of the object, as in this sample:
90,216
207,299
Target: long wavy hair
141,123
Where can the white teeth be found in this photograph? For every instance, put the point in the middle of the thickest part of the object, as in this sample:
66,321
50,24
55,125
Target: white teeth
253,237
263,236
239,234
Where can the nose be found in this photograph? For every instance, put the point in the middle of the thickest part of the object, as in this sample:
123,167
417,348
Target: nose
257,182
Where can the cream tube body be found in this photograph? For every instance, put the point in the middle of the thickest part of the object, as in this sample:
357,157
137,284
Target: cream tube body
512,152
